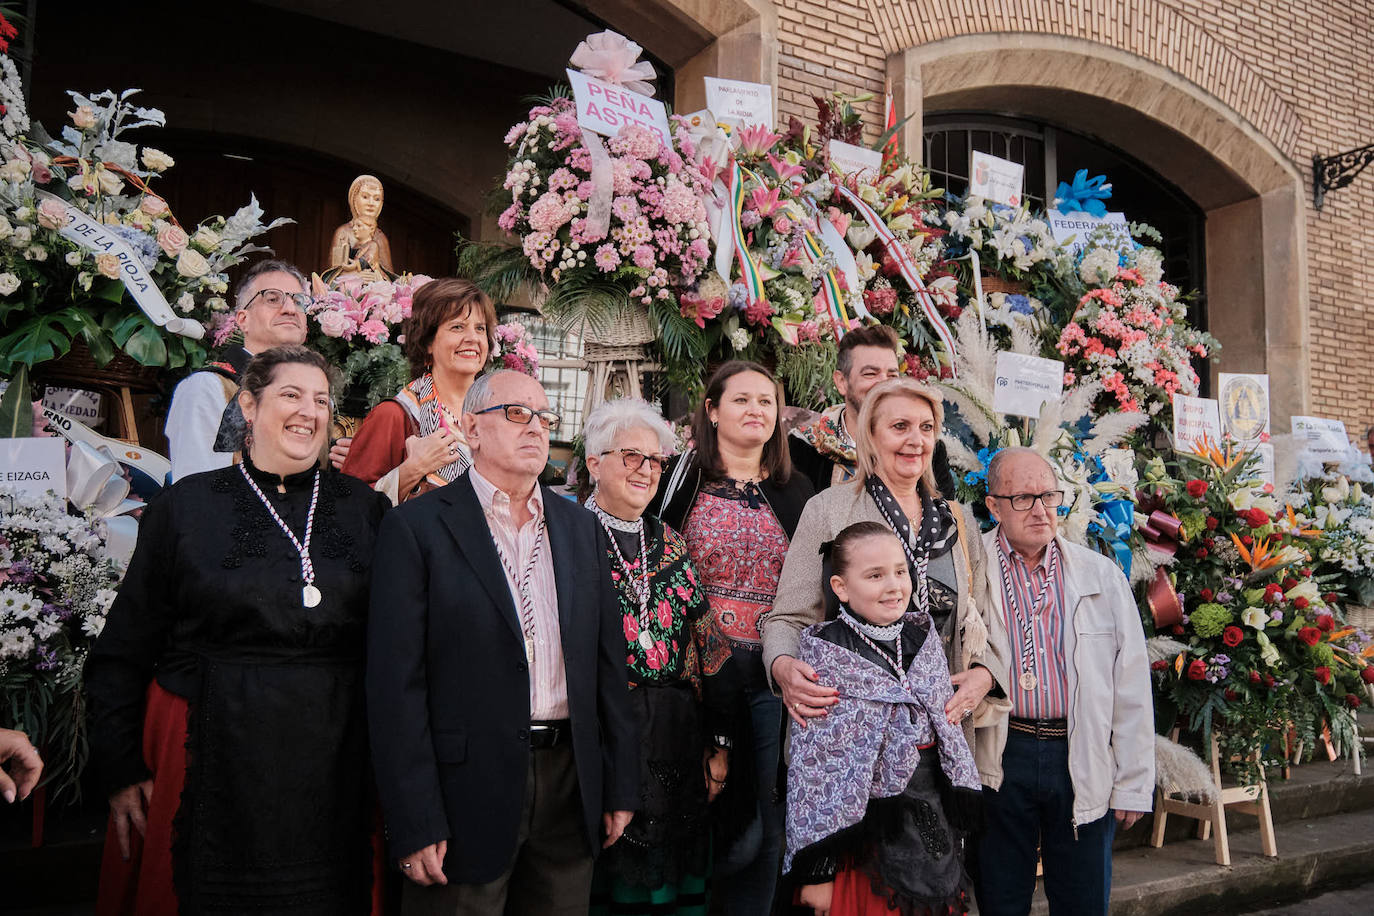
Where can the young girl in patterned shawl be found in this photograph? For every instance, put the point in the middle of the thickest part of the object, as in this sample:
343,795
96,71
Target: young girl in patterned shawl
882,790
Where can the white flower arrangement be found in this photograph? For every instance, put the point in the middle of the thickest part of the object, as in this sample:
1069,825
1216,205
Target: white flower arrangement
57,584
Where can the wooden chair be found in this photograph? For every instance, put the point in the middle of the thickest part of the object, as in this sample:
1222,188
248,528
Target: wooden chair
1251,799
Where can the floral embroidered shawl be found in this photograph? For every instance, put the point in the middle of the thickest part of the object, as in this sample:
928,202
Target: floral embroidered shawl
869,745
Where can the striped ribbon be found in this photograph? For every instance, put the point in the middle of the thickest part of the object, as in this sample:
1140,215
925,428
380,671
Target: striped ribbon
748,269
830,291
907,267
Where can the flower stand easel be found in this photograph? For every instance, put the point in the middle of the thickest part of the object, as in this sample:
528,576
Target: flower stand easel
1211,818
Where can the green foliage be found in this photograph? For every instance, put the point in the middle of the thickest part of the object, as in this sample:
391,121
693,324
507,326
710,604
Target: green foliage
376,373
16,413
808,374
501,270
684,347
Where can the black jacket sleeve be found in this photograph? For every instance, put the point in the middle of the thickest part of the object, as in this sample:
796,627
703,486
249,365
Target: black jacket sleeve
398,692
126,653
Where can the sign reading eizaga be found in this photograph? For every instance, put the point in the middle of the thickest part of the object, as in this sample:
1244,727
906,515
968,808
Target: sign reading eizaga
605,108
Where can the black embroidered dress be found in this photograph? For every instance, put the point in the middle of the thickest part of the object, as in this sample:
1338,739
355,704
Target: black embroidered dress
275,813
684,690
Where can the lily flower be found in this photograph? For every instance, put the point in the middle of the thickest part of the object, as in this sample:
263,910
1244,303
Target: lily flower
756,140
765,200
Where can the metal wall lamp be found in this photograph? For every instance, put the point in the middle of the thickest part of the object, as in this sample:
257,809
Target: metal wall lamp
1332,172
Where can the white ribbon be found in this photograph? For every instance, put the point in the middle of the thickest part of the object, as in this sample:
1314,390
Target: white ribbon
93,235
96,485
74,431
603,186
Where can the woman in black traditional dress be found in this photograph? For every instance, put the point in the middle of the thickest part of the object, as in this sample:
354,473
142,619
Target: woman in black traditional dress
682,679
226,689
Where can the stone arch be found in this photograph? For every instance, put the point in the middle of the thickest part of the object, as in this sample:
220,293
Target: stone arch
1240,176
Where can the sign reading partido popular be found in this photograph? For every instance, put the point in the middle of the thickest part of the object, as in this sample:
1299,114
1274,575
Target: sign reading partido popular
997,180
1024,383
739,103
605,108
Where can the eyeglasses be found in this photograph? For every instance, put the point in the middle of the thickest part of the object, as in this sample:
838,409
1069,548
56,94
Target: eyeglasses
634,459
276,298
1050,499
519,413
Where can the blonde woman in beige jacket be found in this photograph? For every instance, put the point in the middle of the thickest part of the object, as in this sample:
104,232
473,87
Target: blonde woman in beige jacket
895,439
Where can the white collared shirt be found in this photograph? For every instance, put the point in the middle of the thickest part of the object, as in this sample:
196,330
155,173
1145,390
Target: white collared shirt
548,678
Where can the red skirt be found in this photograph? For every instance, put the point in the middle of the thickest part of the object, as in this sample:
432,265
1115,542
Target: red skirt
142,886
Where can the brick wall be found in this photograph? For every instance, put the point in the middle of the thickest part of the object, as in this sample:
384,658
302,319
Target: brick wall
1298,71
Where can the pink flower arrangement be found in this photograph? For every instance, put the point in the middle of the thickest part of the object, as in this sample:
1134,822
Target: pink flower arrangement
1133,337
655,201
515,350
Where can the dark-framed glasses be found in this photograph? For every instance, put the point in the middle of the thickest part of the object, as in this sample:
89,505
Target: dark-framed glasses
1050,499
519,413
276,298
634,459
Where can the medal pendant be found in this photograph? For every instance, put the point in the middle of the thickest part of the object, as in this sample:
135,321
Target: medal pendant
310,596
645,640
1028,680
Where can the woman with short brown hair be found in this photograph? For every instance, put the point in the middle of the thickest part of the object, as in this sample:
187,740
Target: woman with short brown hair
414,442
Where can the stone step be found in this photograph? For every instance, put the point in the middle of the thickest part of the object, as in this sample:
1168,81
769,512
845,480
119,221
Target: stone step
1183,877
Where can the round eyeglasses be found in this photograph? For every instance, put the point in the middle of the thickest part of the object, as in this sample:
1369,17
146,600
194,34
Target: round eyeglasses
276,298
634,459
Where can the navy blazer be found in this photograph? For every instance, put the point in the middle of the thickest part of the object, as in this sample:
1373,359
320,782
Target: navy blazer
448,684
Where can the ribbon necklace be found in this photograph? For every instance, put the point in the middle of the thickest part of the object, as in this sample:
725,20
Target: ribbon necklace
1027,620
640,585
310,595
917,551
522,583
864,630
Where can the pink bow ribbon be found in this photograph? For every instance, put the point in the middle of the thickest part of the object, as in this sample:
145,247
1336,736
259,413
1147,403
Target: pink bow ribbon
612,57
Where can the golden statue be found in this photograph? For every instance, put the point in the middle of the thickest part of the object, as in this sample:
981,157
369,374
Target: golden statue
359,247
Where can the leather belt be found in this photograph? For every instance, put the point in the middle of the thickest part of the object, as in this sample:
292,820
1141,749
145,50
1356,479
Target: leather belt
1041,729
550,733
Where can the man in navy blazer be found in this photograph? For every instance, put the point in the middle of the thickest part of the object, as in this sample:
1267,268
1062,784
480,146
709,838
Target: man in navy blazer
502,735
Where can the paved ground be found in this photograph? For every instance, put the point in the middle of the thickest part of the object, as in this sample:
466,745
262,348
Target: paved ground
1355,901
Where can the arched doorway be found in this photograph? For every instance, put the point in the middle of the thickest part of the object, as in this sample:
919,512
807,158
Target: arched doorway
1249,192
1051,154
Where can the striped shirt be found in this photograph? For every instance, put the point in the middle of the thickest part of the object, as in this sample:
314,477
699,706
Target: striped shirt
548,679
1050,697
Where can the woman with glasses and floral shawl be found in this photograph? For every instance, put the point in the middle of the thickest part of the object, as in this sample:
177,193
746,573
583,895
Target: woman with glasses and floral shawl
682,680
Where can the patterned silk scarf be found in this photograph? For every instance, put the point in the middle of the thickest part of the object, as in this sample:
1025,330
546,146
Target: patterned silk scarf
422,404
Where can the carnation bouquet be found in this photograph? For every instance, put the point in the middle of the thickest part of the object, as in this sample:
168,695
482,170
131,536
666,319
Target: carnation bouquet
54,292
1130,332
1257,647
56,586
